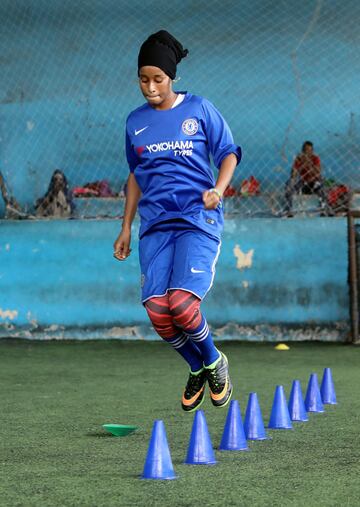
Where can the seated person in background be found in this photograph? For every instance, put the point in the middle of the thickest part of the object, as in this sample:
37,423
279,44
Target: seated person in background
306,177
57,202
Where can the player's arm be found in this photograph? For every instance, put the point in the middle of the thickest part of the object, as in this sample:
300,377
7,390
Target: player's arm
212,197
226,154
122,243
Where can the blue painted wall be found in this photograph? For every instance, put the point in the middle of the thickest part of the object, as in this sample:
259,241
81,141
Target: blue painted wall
60,276
279,72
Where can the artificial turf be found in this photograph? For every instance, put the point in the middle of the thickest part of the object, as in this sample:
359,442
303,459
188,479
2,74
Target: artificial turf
55,396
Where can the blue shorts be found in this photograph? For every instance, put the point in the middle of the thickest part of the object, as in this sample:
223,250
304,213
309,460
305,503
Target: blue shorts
177,256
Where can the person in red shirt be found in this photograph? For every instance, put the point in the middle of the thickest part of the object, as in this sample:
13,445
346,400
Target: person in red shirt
306,177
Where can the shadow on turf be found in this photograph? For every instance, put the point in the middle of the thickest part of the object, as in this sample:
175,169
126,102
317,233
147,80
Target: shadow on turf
99,434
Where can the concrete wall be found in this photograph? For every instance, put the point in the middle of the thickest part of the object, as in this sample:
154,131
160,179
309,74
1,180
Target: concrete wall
276,279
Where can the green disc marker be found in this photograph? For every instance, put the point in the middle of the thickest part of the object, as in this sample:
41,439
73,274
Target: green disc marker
119,430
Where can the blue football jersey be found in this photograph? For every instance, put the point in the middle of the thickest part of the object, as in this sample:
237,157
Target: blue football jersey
169,153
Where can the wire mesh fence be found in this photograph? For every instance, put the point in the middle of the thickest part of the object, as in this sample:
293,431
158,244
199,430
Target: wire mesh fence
280,72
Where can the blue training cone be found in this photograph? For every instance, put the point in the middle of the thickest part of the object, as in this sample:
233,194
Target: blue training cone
313,402
233,438
297,408
158,464
200,450
327,388
280,417
253,424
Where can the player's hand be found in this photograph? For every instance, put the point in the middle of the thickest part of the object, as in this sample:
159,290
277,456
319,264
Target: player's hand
211,199
122,248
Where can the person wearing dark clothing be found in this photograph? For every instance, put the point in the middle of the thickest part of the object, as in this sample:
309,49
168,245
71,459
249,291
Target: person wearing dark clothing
57,202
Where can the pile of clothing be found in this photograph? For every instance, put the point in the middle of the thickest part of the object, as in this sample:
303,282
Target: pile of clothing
95,189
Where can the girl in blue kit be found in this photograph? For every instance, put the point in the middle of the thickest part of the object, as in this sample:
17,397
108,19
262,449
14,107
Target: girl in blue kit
169,141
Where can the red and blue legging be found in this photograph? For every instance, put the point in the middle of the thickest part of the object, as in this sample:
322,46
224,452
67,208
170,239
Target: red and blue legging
177,318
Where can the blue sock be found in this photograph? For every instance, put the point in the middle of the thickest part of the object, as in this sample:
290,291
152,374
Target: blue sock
201,336
188,350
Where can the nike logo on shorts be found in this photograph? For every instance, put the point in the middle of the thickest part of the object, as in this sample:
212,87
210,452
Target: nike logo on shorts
137,132
193,270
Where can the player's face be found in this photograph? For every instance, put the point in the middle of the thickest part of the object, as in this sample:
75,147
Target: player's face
156,86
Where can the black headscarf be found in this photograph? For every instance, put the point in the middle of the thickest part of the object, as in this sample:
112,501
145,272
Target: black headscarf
162,50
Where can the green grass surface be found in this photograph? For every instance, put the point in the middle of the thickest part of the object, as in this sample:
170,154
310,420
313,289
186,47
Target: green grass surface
55,396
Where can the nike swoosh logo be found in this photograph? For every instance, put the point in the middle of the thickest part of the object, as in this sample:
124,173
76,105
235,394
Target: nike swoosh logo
193,270
193,399
137,132
218,397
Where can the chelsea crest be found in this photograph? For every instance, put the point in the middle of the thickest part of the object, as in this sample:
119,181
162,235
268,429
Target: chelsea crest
190,127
